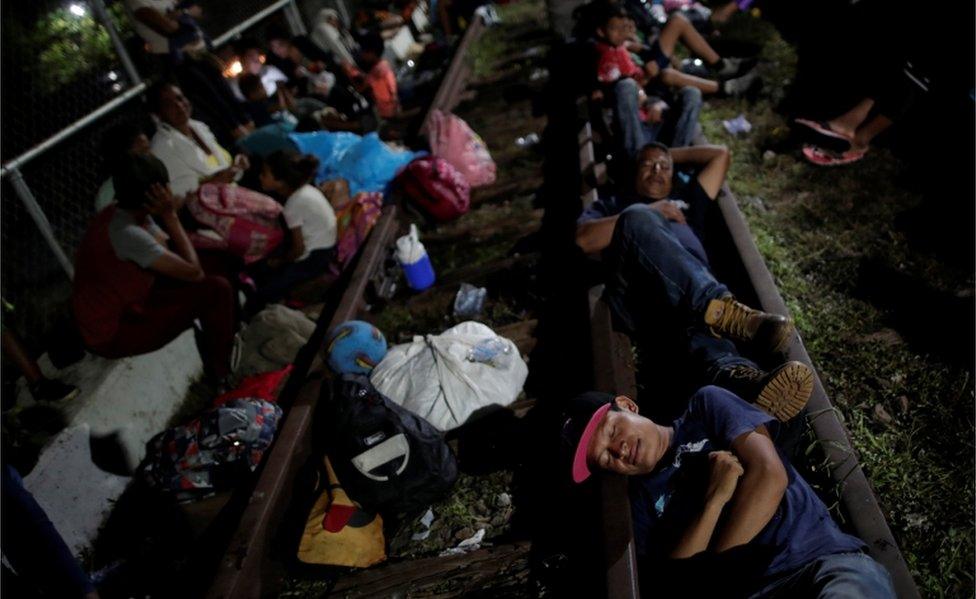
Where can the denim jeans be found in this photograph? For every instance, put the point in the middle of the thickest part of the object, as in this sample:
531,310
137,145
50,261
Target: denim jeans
680,131
677,130
659,278
837,576
626,109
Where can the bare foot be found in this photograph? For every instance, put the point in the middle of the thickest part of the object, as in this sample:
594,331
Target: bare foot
841,129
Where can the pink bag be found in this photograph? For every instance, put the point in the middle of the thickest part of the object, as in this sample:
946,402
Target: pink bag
355,220
453,140
436,187
245,221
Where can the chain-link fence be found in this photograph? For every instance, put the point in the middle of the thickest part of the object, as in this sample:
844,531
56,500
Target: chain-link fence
60,65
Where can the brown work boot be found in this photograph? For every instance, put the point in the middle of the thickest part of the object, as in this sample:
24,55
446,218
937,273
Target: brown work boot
729,318
781,393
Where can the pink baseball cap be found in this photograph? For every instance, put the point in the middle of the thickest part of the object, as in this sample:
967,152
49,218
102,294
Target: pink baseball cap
585,412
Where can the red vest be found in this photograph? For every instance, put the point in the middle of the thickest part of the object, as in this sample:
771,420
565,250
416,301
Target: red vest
105,287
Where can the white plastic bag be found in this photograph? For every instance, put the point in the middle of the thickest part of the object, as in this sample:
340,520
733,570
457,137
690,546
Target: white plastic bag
439,378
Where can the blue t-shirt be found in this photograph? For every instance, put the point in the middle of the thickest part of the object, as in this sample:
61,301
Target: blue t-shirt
665,501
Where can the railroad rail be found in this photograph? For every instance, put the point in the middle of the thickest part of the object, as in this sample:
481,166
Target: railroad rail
251,566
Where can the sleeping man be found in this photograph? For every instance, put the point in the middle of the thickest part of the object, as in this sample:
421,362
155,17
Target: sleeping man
717,508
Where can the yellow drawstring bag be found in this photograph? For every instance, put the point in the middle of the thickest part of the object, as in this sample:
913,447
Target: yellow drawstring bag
338,532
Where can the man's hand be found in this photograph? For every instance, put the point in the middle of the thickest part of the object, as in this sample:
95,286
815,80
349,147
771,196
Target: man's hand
241,162
758,493
668,210
725,471
714,160
655,112
160,200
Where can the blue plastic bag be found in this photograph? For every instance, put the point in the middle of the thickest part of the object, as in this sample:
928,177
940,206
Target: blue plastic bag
366,162
371,164
328,147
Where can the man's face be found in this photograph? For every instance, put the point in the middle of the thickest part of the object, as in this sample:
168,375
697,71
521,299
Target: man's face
622,441
654,170
616,31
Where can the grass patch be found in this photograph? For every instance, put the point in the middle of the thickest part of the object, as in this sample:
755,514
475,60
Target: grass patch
500,41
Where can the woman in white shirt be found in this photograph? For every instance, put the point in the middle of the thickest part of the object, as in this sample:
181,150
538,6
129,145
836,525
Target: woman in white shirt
186,146
311,225
177,47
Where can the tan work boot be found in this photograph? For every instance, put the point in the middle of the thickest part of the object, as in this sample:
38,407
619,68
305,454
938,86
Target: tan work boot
781,393
726,317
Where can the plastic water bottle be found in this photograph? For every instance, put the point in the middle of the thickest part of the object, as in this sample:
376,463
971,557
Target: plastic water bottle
493,351
469,301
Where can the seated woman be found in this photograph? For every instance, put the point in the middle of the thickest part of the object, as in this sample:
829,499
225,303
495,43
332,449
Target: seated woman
311,224
138,286
187,147
178,47
125,138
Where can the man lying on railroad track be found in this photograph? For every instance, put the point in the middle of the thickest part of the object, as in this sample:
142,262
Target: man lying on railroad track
717,508
658,275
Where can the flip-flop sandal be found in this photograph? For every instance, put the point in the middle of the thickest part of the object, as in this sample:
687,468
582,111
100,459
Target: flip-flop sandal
820,157
821,135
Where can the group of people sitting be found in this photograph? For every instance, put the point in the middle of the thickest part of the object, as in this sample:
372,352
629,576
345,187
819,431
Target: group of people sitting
143,275
717,508
637,75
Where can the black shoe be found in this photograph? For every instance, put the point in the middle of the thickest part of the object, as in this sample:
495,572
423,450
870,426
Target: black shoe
52,390
782,393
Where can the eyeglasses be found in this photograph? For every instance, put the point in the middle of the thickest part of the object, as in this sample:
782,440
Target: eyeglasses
656,165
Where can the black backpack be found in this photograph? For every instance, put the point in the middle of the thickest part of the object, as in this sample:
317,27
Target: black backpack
389,459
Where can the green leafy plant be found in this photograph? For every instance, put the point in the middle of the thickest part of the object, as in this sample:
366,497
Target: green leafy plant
62,46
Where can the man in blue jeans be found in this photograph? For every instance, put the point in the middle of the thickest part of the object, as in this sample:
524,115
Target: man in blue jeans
671,122
717,508
658,275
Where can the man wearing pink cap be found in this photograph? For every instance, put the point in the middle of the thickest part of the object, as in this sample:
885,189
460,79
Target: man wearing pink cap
716,505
